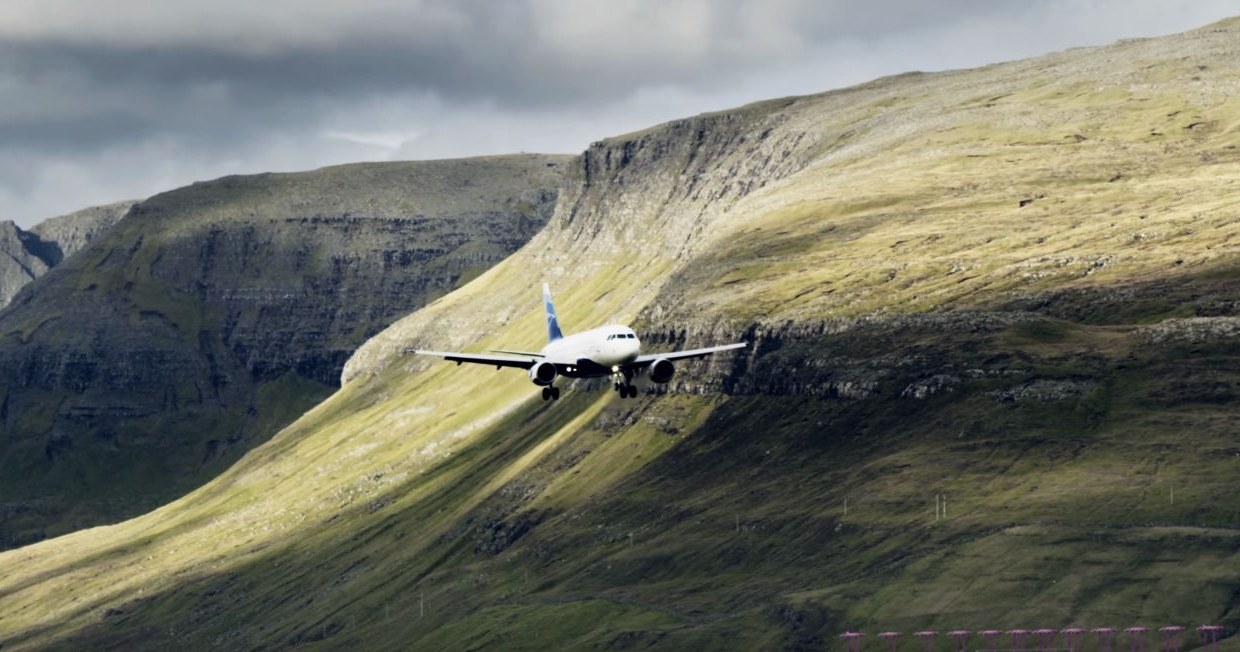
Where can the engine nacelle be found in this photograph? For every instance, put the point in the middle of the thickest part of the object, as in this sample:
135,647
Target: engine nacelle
542,374
661,370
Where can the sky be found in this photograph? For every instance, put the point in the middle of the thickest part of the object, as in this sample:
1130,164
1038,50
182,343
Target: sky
101,102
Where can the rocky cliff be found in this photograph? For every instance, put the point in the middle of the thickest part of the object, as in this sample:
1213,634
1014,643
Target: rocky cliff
1010,289
20,262
27,255
213,314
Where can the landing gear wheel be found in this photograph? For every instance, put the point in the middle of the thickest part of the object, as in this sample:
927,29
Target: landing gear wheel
546,393
625,389
555,393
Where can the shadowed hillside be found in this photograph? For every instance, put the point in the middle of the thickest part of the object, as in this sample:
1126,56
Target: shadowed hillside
212,315
1013,286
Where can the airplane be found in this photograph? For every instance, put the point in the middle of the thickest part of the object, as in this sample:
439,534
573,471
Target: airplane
612,350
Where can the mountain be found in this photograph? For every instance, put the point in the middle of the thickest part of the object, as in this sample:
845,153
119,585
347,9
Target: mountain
26,255
1008,291
212,315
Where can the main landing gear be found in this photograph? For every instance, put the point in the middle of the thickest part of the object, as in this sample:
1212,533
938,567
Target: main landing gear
551,393
626,390
622,382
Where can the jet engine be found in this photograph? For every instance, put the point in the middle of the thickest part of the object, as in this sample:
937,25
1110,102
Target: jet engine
661,370
542,373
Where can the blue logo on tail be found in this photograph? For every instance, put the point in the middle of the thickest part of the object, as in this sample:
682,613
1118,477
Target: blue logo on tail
553,324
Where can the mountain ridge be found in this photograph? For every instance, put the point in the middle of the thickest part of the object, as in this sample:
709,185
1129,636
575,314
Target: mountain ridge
26,255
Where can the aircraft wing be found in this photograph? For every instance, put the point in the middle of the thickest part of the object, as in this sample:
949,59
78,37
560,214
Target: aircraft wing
643,360
496,361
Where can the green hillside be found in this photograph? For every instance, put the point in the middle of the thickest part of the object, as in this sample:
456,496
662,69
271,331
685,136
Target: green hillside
1013,287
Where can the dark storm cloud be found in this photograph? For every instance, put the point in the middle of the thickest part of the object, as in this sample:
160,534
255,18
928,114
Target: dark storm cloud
105,102
521,54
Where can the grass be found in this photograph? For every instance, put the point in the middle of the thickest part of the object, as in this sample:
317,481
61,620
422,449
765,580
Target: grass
733,523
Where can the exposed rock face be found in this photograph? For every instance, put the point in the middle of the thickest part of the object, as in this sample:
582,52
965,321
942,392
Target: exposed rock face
19,264
27,255
213,314
898,357
681,177
1194,330
67,234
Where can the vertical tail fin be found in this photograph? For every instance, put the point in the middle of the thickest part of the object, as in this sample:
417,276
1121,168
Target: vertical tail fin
553,324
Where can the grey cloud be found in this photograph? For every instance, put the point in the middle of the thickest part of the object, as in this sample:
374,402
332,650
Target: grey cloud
539,53
106,102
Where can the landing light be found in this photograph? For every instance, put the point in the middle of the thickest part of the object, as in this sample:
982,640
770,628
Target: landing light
615,369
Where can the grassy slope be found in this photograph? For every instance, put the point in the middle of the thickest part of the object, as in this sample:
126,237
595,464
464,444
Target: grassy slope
1132,177
448,508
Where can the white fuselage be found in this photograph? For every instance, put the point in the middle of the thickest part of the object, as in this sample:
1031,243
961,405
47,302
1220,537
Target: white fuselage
606,346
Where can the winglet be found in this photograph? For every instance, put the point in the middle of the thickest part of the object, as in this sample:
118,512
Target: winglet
553,324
